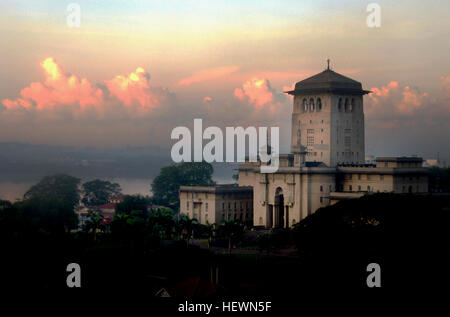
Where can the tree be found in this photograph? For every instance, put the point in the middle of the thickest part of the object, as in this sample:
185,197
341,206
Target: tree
50,203
161,222
132,203
94,222
98,192
166,185
231,229
187,226
59,187
210,229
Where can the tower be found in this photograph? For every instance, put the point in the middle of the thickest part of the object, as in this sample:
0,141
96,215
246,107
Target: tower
328,119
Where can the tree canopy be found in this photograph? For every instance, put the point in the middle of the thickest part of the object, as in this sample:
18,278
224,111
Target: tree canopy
132,203
50,204
166,185
59,187
98,192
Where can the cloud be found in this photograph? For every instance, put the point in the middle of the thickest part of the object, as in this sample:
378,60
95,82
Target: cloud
256,91
207,100
57,89
403,120
208,74
133,89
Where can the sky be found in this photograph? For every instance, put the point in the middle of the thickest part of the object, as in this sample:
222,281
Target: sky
134,70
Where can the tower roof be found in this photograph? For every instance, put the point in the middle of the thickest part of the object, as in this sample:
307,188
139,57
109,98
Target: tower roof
328,81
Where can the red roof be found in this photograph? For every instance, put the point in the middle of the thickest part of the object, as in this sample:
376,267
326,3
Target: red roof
105,206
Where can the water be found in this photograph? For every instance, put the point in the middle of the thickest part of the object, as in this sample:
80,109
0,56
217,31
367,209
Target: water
13,191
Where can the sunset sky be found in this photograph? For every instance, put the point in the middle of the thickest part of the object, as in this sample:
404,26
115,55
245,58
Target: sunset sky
136,69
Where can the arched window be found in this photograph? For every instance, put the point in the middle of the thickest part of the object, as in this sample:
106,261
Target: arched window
340,104
311,104
352,105
305,105
346,104
319,104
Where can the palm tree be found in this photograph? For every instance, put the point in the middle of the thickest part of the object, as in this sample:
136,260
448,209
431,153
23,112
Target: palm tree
94,222
210,229
187,226
230,229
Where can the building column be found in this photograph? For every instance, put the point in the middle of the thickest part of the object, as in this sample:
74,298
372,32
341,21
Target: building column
286,216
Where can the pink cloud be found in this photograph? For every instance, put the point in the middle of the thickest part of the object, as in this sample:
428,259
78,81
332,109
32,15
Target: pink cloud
208,74
57,89
394,99
256,91
207,100
133,88
70,92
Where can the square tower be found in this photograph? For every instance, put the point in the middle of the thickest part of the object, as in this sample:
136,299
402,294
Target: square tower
328,119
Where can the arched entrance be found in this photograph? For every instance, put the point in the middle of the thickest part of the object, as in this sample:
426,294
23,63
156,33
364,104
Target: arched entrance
279,209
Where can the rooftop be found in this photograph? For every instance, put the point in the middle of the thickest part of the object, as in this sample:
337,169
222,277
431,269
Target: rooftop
328,81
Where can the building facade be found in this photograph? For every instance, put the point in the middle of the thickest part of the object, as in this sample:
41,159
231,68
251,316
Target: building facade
213,204
327,162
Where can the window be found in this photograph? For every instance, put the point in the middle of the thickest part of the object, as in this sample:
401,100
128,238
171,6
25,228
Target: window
223,206
311,104
340,104
346,106
352,104
381,177
319,105
310,140
305,105
192,195
321,188
359,176
350,188
368,188
359,187
330,188
310,131
206,206
229,206
321,199
206,195
235,206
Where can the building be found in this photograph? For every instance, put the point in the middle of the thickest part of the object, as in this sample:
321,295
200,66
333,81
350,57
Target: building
212,204
107,210
327,162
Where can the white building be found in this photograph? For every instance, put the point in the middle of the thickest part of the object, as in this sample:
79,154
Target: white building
327,159
212,204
